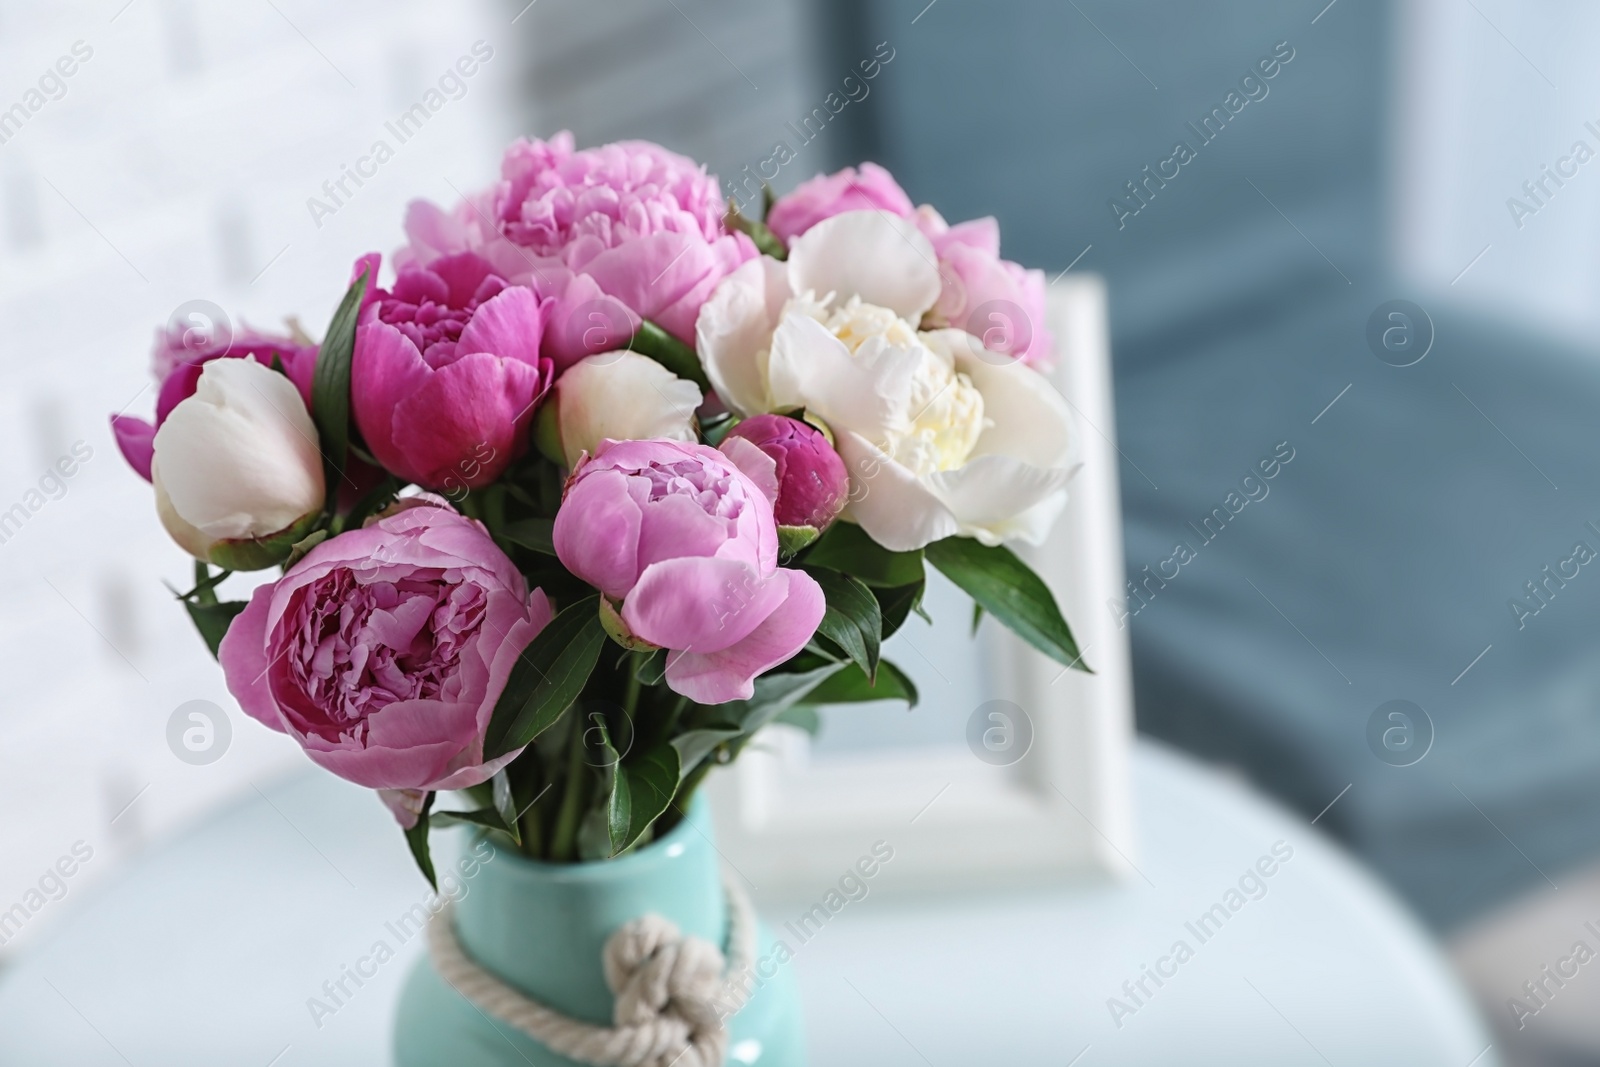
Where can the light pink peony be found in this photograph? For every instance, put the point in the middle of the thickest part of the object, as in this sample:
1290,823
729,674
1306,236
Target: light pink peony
993,299
687,543
446,372
826,195
177,361
628,221
384,650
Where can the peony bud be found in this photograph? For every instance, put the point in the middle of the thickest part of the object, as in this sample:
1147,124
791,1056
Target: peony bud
621,396
236,468
812,484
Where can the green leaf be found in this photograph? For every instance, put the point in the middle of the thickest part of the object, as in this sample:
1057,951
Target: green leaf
715,428
651,782
804,716
775,694
547,678
205,584
487,818
695,745
505,805
651,669
376,500
848,549
792,539
330,384
851,686
897,603
619,812
298,550
977,617
535,534
671,353
766,242
853,619
213,619
1008,589
417,838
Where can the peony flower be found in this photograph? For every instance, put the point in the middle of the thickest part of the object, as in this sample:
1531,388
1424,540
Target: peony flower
237,473
384,650
826,195
178,358
623,396
940,438
686,543
446,372
810,484
993,299
642,223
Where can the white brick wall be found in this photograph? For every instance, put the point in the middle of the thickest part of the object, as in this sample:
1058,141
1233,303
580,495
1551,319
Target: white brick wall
189,142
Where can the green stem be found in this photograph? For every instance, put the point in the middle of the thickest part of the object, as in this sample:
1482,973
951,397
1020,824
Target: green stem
532,834
692,782
566,830
494,507
630,697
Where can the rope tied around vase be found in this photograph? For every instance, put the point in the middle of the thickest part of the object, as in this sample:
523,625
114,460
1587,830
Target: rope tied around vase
672,993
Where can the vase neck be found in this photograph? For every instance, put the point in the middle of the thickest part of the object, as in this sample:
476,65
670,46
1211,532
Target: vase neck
542,927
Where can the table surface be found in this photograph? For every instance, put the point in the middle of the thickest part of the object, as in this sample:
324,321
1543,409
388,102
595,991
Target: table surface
207,950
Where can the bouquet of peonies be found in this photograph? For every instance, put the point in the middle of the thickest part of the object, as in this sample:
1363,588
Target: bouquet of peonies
608,478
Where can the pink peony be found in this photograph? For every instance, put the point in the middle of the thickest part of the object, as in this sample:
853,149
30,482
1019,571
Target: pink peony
993,299
178,361
446,372
687,543
812,483
643,225
870,189
384,650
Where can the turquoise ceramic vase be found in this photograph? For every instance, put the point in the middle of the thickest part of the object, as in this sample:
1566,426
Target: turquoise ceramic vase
541,926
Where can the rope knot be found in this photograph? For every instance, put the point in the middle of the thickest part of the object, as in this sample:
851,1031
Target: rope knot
667,986
671,993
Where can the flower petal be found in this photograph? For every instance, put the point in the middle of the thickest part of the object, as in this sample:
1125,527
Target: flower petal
243,655
623,396
883,259
889,502
716,677
699,604
734,330
466,422
998,498
507,325
600,501
1029,419
136,439
811,368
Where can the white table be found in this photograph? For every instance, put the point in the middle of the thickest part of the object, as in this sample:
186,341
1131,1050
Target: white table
206,951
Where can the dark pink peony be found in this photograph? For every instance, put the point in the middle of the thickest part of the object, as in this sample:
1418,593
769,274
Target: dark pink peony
447,371
383,651
811,483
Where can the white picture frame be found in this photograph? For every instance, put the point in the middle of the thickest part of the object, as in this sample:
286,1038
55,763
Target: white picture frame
790,824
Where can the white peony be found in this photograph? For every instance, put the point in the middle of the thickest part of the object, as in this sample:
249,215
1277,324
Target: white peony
623,396
237,465
941,438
